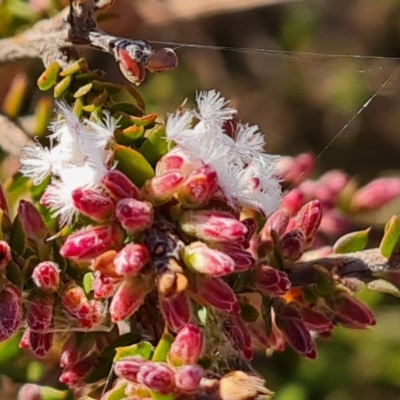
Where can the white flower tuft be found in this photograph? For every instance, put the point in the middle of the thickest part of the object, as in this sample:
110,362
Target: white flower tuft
79,160
245,172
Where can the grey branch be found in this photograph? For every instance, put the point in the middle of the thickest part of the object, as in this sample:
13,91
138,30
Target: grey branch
364,265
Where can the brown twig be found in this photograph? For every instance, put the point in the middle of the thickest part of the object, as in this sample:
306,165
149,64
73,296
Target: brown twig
362,265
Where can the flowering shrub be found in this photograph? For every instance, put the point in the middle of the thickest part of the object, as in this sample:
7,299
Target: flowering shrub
155,254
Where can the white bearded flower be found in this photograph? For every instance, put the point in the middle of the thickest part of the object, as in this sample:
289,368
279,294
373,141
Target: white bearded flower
79,160
245,172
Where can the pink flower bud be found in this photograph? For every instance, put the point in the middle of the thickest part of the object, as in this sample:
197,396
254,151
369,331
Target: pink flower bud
187,346
295,170
292,245
128,368
187,378
10,309
334,223
217,293
46,276
376,194
69,352
215,226
134,215
160,189
293,201
177,311
5,255
252,226
200,258
157,377
40,342
32,391
236,330
104,286
131,259
93,204
309,218
176,160
277,221
330,186
270,281
290,322
32,222
40,313
128,298
119,186
90,242
198,187
350,311
92,315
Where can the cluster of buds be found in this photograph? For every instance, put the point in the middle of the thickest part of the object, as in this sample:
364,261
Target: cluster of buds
157,237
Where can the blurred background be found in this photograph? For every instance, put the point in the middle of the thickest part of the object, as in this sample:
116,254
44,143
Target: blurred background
261,54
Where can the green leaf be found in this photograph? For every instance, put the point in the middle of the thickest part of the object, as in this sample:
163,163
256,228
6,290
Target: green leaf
383,286
162,349
156,145
118,392
18,240
133,165
354,241
390,237
142,349
14,274
9,349
159,396
88,282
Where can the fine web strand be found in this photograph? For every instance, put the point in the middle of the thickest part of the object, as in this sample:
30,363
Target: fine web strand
306,56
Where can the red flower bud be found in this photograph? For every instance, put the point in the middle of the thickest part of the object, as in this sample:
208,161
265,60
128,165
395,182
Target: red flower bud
242,258
5,254
93,204
292,245
128,368
32,222
40,313
157,377
290,322
187,346
198,187
10,309
160,189
75,302
128,298
292,201
131,259
3,200
215,226
350,311
46,276
119,186
217,293
175,160
200,258
24,343
104,286
40,342
376,194
315,321
295,170
73,376
309,218
134,215
187,378
271,282
176,310
90,242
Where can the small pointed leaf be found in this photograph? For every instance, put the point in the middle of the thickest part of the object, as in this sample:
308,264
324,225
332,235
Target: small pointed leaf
142,349
133,165
354,241
18,241
390,237
156,145
383,286
162,349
